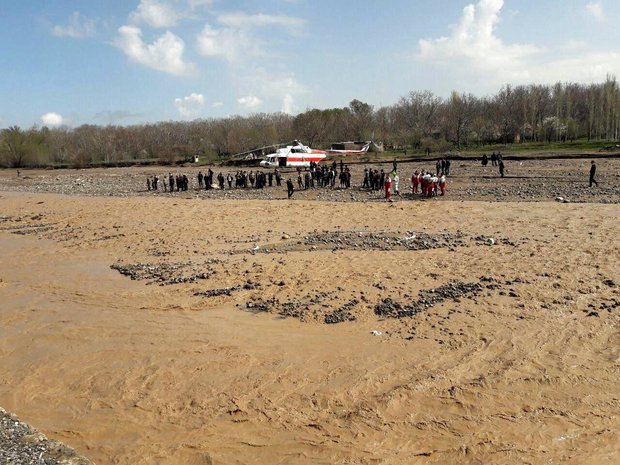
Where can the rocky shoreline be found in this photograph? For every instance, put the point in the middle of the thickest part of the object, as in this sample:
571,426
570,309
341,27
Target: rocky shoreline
21,444
525,181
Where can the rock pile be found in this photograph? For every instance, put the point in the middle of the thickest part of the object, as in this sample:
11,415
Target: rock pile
358,240
161,273
342,314
20,444
427,298
226,290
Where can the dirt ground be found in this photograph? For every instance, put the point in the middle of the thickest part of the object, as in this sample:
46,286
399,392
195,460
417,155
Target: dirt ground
238,327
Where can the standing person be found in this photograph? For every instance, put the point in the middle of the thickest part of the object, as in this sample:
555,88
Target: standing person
442,184
500,163
289,187
447,173
366,181
592,173
415,182
171,182
493,159
200,177
388,187
148,182
438,167
433,186
485,159
396,181
208,179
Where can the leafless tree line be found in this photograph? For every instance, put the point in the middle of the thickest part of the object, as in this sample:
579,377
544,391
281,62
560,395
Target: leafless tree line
419,121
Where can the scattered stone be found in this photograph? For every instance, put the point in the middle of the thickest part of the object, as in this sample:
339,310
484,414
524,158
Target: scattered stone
20,444
426,299
468,186
218,292
342,314
162,273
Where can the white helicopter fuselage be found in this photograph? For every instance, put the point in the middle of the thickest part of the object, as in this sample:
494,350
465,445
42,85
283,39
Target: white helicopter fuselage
293,156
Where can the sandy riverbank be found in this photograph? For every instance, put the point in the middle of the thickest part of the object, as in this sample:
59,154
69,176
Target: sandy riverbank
522,366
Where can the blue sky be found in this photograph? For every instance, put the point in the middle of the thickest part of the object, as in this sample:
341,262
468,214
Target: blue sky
133,61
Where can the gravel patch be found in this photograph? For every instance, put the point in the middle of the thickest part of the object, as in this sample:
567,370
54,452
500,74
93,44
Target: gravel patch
164,273
20,444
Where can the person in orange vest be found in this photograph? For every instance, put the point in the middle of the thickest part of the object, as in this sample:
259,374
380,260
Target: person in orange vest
432,188
426,185
388,187
442,184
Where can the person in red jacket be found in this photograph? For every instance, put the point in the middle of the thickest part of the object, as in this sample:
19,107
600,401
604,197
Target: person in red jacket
415,182
442,184
388,187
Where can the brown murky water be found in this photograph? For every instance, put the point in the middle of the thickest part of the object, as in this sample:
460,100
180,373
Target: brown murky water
128,372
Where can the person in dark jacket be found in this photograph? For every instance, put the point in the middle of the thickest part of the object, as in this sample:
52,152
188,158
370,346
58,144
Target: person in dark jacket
592,173
290,188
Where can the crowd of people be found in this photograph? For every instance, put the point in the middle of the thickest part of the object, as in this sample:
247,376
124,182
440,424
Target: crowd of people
314,177
425,183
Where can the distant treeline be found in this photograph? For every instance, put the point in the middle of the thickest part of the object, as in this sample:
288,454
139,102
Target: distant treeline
418,121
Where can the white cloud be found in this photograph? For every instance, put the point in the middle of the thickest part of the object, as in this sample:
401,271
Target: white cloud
164,54
226,43
474,53
586,67
474,44
155,13
279,89
78,27
199,3
243,20
272,84
52,119
217,104
288,103
250,102
237,39
595,11
190,106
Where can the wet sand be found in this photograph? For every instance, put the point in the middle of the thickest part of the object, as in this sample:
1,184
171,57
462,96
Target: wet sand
131,371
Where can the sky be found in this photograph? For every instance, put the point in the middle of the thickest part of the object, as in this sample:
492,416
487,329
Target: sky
69,63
